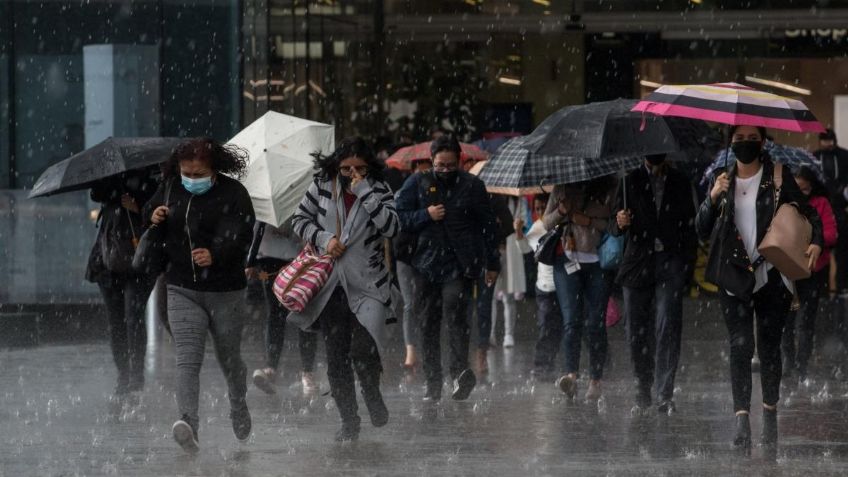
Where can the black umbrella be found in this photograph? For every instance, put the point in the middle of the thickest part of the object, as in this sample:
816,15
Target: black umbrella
604,130
108,158
580,143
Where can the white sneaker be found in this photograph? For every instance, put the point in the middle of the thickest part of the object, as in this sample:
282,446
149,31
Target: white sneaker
309,384
184,435
509,341
264,380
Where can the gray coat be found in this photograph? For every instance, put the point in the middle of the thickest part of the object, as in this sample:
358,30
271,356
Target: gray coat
362,270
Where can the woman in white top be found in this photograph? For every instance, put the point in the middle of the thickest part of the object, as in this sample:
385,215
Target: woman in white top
740,207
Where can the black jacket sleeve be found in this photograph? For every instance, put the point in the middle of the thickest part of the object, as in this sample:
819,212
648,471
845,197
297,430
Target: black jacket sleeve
234,231
707,214
485,217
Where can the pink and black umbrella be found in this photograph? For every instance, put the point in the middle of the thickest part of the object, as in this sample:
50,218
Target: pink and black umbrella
730,103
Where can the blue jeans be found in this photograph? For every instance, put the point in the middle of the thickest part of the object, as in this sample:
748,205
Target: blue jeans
586,287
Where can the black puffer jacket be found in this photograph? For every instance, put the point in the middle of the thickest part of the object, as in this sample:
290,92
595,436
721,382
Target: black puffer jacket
220,220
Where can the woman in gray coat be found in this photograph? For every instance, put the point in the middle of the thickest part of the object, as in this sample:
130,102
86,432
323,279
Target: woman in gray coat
347,212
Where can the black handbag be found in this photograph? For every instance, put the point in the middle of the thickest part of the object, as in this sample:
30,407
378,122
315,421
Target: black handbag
728,265
150,256
547,247
116,246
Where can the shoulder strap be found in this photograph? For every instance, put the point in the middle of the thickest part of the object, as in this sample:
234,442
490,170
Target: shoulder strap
778,176
168,191
338,212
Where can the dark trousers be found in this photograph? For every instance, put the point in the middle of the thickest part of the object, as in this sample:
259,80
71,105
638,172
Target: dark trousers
655,339
771,305
275,327
482,302
449,302
126,297
350,348
809,293
549,325
586,287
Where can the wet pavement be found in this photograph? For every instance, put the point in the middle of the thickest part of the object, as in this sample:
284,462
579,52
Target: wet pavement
57,419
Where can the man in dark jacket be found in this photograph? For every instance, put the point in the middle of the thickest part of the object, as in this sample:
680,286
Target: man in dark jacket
457,240
657,212
834,163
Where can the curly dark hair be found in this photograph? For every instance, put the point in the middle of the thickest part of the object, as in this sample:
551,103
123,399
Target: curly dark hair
222,158
328,166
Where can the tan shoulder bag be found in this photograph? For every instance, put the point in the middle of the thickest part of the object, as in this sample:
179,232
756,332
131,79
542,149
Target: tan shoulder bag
788,236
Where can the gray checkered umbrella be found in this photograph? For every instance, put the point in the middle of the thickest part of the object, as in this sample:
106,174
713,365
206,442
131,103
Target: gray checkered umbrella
514,170
576,144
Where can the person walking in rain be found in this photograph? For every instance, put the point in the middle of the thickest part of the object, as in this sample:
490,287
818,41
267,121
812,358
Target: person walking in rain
208,219
548,314
124,290
834,163
272,249
408,280
741,204
456,240
796,358
583,210
347,212
657,214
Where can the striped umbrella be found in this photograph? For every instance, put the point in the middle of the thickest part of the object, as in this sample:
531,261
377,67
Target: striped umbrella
403,157
730,103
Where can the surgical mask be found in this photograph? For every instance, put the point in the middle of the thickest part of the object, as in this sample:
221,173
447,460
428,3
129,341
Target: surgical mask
655,159
198,186
747,151
448,177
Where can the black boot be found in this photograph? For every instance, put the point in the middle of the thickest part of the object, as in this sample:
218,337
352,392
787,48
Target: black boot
374,401
743,432
769,437
349,431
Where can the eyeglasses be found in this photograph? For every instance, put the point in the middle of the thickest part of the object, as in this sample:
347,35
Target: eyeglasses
445,167
348,170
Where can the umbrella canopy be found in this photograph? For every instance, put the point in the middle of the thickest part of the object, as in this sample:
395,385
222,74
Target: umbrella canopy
792,157
280,165
575,144
109,158
402,159
492,145
730,103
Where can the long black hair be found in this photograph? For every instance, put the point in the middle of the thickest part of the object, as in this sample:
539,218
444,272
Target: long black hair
817,188
328,166
225,159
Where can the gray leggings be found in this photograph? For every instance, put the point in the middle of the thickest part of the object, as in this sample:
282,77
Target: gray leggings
192,314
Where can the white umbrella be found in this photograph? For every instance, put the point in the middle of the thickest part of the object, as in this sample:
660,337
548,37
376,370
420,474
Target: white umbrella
280,165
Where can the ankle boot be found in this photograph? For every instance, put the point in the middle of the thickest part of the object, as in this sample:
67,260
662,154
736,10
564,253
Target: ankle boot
769,427
370,383
742,440
349,431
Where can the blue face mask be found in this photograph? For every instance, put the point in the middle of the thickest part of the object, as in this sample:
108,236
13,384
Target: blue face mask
197,186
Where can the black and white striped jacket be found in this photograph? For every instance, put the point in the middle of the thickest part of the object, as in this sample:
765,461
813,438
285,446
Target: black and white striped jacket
362,270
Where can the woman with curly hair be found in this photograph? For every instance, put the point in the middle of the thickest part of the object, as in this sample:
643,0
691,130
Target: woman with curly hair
347,212
208,220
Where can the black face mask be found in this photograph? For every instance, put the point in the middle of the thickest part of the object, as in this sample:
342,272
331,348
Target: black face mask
747,151
447,177
655,159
